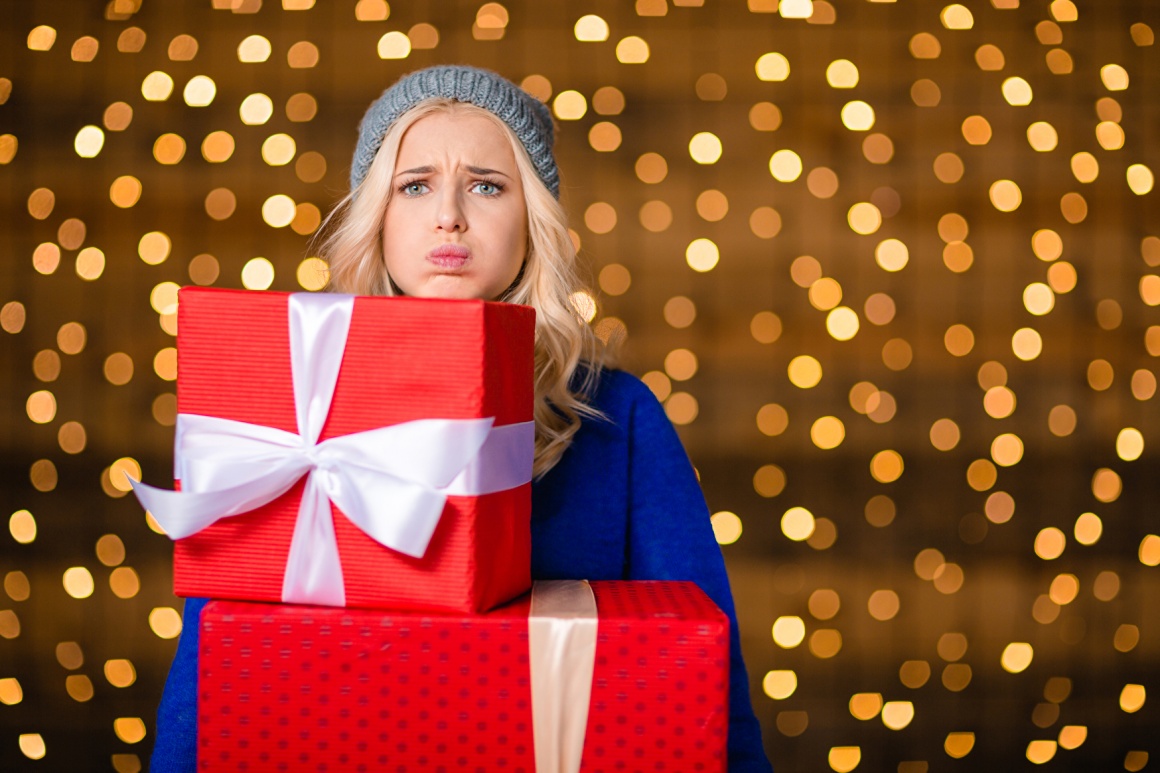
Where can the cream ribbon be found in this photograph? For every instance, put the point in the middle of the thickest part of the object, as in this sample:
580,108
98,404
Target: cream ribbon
391,482
562,657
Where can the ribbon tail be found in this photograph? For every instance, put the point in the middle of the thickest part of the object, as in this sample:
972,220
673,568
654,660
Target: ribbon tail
503,462
319,325
397,513
313,569
182,513
562,656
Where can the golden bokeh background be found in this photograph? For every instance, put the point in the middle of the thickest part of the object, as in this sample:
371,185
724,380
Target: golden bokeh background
893,267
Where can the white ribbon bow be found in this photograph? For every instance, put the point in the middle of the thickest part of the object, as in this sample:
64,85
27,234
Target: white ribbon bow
391,482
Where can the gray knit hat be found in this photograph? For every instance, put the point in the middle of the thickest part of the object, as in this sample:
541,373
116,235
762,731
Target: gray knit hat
527,116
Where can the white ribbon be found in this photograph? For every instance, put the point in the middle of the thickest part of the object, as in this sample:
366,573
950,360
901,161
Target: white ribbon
562,657
391,482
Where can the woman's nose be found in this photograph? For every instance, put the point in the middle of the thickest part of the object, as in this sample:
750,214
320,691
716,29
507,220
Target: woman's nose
449,216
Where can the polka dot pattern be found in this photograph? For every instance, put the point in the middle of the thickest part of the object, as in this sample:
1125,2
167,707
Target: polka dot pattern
660,686
286,688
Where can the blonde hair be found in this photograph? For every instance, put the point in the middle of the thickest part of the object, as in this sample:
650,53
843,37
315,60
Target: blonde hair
567,353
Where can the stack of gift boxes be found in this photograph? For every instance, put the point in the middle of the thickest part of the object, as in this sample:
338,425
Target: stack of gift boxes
355,493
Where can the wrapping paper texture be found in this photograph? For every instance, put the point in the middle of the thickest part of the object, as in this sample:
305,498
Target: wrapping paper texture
405,359
293,688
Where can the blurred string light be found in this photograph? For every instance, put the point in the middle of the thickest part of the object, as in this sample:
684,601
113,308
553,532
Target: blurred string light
632,50
89,141
842,74
591,29
372,10
157,86
858,116
702,255
785,165
254,49
705,148
570,105
199,91
726,527
491,21
256,109
258,274
394,45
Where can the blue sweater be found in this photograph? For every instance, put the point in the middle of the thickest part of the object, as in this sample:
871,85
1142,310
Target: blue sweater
623,503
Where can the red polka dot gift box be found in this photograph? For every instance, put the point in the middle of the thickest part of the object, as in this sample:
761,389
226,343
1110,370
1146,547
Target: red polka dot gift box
639,685
351,451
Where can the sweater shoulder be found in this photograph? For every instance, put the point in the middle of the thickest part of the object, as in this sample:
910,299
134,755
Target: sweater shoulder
618,392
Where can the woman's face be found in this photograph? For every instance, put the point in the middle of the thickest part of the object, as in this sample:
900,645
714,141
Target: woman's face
456,224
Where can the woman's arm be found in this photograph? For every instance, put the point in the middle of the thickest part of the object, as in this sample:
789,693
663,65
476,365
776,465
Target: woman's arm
175,750
670,538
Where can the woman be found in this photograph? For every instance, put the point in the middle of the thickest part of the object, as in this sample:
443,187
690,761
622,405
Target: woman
454,195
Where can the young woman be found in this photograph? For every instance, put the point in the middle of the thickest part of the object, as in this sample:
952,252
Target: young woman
454,195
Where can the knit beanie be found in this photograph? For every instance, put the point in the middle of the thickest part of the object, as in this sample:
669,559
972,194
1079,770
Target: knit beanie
527,116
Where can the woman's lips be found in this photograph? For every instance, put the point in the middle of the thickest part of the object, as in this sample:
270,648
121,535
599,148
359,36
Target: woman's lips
449,256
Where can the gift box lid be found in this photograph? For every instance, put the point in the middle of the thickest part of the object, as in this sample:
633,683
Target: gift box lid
236,342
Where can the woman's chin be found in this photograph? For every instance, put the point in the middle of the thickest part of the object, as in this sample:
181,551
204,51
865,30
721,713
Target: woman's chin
452,288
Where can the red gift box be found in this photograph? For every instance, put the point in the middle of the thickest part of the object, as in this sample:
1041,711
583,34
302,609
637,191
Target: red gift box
307,688
405,359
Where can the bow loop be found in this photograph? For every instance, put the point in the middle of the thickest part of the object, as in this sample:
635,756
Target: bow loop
427,451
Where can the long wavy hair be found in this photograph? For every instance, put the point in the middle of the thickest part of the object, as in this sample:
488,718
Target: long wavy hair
567,353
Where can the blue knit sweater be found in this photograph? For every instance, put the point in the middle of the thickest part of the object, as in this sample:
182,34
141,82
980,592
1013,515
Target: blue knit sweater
623,503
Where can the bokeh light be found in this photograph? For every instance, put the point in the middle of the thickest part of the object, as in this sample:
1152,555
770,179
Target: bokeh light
842,74
1017,657
789,631
726,527
256,109
772,66
705,148
632,50
702,255
591,29
78,582
797,523
805,371
785,165
157,86
199,91
89,141
779,685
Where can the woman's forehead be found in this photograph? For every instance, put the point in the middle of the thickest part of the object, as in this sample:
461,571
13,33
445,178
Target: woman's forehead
459,136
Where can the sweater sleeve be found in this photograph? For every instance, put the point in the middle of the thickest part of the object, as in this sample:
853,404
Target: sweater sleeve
671,538
175,750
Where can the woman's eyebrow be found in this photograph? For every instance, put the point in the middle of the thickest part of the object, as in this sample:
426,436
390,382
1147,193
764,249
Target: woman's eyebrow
416,170
479,170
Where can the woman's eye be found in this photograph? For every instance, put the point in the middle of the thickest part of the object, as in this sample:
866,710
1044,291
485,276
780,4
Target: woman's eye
487,189
414,189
